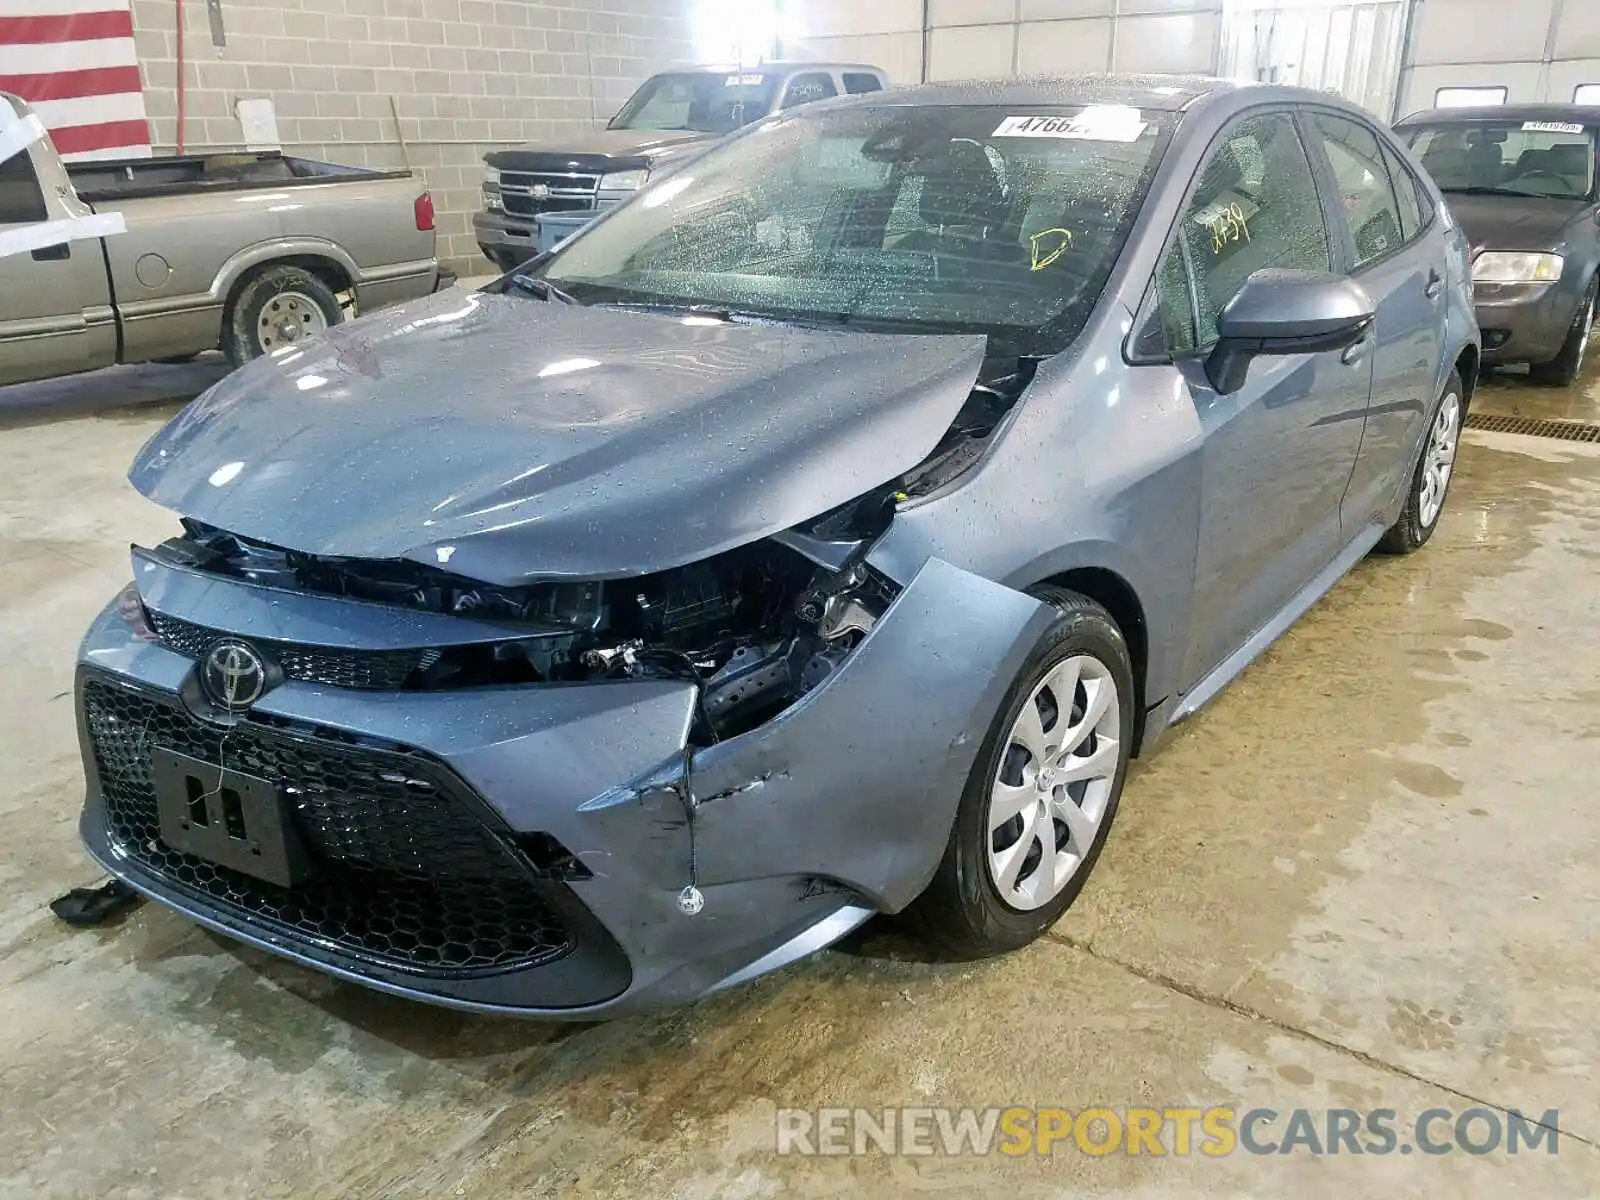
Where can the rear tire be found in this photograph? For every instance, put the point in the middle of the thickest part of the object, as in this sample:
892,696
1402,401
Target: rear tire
998,887
1565,367
1430,482
306,305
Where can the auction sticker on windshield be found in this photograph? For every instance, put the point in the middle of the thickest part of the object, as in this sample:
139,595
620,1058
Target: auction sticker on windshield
1097,123
1551,127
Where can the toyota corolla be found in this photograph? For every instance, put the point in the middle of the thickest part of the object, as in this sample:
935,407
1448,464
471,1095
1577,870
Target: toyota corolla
815,536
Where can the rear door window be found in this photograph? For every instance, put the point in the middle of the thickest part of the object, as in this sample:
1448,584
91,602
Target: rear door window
1408,192
858,83
1365,193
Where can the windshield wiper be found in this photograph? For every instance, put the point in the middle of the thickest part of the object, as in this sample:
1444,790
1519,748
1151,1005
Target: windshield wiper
1487,190
540,289
723,312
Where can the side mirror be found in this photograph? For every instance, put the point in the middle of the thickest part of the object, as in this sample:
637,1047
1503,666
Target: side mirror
1281,311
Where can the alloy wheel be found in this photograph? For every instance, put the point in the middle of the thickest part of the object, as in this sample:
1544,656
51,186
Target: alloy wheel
1439,459
1057,769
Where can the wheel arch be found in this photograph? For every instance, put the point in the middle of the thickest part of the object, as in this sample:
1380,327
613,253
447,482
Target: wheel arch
324,259
1118,597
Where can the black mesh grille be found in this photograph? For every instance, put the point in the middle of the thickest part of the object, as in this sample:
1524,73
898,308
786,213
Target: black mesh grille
528,206
383,670
406,874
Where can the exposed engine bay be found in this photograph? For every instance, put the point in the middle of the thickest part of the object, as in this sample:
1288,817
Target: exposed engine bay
755,628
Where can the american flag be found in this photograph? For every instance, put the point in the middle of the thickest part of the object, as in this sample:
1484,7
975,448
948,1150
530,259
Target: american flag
73,61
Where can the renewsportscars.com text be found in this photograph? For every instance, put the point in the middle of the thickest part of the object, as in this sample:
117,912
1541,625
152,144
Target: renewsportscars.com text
1214,1132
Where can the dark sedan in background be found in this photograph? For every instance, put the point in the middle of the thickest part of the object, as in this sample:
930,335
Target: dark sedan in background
1521,180
817,535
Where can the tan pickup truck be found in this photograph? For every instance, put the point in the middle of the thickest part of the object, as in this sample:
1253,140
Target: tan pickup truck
245,252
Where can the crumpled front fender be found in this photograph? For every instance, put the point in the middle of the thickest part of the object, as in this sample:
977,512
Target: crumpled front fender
859,782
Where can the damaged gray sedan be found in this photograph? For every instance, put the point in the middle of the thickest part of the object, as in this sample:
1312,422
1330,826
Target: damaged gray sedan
815,536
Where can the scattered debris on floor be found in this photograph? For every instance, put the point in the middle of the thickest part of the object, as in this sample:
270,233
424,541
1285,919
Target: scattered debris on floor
95,906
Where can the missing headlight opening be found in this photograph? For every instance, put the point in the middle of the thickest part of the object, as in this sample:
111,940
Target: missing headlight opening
756,628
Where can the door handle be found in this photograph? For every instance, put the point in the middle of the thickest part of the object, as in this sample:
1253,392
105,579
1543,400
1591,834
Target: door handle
1355,352
1435,284
56,253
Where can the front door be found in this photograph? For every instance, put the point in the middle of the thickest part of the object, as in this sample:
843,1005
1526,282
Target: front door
1402,267
55,313
1278,452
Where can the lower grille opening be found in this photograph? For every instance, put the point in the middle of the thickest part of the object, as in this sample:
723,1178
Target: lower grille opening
407,874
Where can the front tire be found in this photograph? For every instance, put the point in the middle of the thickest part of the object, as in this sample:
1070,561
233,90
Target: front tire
1430,482
1565,367
276,306
1043,792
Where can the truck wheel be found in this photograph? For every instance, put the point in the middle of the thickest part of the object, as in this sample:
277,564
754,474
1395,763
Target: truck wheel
275,307
1564,367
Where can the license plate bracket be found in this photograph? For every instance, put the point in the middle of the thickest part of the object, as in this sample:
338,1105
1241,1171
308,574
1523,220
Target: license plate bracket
226,817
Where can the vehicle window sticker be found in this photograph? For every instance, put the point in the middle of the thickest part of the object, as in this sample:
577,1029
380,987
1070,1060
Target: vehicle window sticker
1048,245
744,81
1097,123
1551,127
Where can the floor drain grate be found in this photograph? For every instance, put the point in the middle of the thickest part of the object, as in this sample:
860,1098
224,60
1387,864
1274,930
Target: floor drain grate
1567,431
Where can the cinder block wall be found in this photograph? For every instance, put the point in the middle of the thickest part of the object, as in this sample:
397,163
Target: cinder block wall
466,76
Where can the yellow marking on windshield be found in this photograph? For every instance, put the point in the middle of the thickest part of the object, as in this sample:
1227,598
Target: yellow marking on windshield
1044,254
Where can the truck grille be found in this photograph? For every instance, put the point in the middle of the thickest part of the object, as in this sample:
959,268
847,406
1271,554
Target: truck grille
530,193
407,874
383,670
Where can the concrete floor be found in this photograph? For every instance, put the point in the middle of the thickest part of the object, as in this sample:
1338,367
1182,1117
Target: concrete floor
1363,877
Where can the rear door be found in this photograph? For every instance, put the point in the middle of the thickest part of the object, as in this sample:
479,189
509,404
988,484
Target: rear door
1278,452
55,314
1397,254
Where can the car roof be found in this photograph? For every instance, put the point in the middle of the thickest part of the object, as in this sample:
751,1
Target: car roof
1579,114
1161,92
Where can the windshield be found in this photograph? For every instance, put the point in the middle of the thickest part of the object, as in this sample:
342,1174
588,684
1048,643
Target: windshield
698,101
925,219
1520,158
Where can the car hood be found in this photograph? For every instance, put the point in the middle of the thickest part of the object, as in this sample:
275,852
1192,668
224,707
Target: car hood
1514,222
590,147
508,439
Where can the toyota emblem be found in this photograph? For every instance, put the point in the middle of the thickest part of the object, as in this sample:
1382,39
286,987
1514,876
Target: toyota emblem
234,674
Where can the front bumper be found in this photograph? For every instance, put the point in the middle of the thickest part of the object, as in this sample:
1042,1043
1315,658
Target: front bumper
803,828
508,241
1524,322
